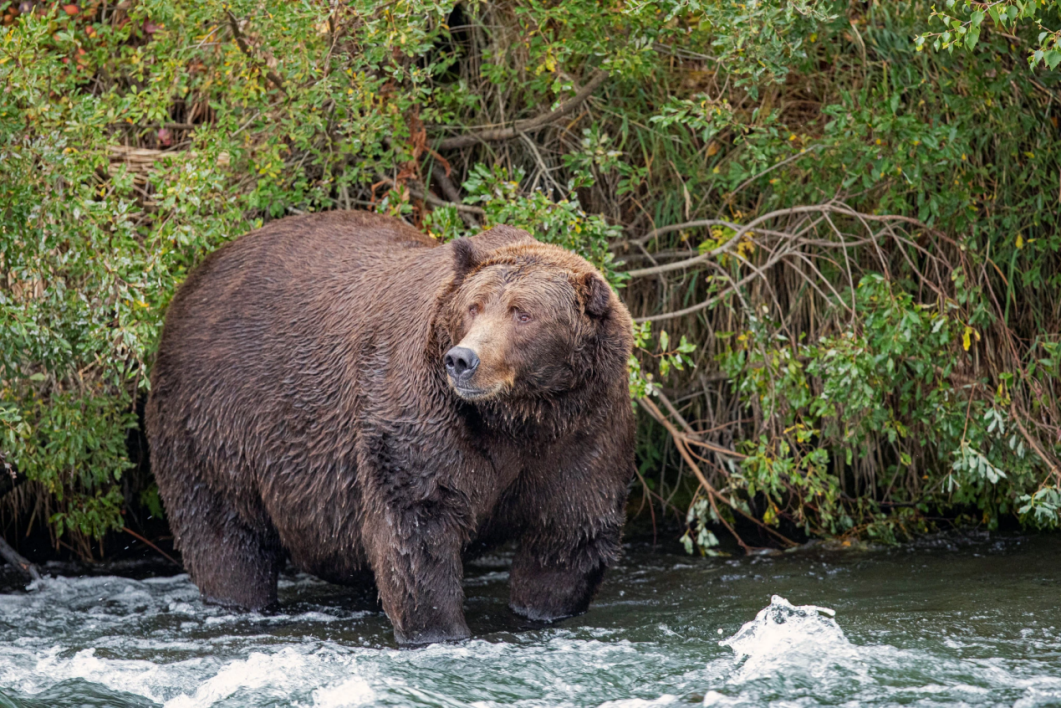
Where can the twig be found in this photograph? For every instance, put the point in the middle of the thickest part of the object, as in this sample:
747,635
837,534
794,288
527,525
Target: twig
663,230
679,442
12,556
243,47
1035,446
450,191
768,170
691,436
416,189
522,126
712,300
140,538
744,229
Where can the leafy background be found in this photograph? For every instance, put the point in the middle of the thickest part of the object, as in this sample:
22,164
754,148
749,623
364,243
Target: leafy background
836,222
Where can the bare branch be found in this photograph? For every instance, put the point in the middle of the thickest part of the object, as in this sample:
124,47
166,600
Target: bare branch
450,191
418,191
233,23
12,556
663,230
711,301
523,126
742,230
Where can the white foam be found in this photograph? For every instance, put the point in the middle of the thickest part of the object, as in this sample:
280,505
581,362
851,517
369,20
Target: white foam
786,637
665,700
351,692
277,673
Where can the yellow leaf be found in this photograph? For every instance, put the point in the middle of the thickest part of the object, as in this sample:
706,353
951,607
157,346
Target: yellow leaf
712,148
967,340
770,516
1020,242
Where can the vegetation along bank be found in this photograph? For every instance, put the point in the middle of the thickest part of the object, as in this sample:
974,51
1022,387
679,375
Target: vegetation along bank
836,224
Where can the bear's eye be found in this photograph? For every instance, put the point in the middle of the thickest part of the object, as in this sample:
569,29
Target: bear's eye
473,310
521,316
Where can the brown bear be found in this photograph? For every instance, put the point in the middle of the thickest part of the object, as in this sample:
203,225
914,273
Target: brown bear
343,391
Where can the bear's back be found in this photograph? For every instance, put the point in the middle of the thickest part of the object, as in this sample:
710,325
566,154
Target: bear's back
270,344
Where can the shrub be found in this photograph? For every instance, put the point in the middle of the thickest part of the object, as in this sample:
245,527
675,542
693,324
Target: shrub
852,373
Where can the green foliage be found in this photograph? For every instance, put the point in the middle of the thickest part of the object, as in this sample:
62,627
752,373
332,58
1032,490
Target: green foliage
665,356
887,379
964,21
871,378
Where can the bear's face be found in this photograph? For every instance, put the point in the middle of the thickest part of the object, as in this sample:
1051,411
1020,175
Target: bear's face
520,320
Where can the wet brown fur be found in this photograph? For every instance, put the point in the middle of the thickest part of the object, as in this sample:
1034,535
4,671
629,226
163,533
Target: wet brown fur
300,408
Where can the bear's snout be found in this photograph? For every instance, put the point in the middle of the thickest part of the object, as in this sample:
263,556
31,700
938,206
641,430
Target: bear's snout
461,363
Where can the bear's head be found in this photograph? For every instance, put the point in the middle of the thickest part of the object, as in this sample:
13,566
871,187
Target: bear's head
529,321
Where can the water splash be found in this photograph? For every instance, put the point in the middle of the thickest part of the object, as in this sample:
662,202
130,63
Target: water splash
799,655
793,638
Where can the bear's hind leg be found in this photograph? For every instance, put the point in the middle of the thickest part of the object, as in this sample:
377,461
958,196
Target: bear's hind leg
240,571
232,564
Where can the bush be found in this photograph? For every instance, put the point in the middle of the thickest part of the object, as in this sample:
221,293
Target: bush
854,373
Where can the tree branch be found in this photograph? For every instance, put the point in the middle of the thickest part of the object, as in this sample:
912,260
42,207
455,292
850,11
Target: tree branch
245,48
741,230
450,191
680,440
417,190
11,556
663,230
523,126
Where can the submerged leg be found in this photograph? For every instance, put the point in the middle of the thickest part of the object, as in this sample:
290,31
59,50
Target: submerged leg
415,556
232,564
573,531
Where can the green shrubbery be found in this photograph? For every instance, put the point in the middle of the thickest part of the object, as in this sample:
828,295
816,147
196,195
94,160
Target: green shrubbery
866,374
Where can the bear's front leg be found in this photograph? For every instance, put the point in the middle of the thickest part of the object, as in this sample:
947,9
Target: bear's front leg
415,557
571,532
548,590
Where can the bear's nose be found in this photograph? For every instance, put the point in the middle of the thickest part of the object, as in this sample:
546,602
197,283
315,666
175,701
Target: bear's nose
461,362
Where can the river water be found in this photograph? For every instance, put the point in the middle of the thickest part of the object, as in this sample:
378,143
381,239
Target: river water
951,620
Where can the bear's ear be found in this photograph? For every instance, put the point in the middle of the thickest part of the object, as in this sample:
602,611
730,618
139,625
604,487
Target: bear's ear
464,259
594,293
470,252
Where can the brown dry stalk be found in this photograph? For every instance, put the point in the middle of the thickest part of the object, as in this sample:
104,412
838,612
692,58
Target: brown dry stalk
140,538
680,440
523,126
233,23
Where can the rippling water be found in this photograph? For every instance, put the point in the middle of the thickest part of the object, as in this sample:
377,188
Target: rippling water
950,621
